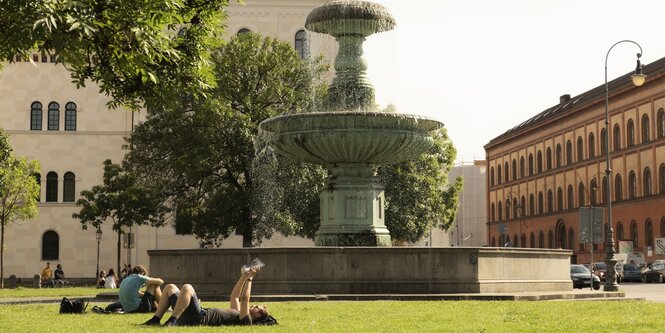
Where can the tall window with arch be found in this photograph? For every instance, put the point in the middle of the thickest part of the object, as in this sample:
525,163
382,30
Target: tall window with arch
51,187
36,116
661,179
530,164
645,128
571,238
620,233
633,234
569,152
559,199
580,194
603,141
646,180
592,146
498,174
514,169
539,162
559,156
541,240
580,149
548,158
70,116
630,133
50,245
493,213
618,188
53,116
522,174
661,123
617,137
540,202
506,172
301,44
550,201
571,197
632,185
593,192
492,176
532,205
648,233
69,187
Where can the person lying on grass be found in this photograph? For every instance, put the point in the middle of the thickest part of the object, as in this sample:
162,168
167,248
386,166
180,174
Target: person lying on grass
187,309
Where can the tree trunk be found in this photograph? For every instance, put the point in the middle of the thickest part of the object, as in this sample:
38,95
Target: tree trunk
2,254
247,237
118,249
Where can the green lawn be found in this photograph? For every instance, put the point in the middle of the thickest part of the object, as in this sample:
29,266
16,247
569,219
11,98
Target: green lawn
22,292
380,316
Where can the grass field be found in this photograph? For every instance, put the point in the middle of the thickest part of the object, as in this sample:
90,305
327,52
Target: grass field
378,316
22,292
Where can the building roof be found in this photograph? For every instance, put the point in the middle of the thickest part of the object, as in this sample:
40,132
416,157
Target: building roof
567,104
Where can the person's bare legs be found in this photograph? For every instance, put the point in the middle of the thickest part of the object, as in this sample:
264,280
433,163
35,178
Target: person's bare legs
184,298
163,304
155,291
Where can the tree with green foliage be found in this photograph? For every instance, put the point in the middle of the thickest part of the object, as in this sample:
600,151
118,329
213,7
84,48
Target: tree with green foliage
418,195
18,192
120,199
141,53
200,156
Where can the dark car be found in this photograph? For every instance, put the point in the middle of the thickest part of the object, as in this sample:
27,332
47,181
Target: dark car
654,273
629,272
581,277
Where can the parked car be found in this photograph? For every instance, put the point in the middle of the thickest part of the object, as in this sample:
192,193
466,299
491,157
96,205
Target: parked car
599,269
629,272
581,277
654,273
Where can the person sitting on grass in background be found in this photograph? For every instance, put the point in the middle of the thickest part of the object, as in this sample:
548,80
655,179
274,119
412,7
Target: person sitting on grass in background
134,301
47,275
187,309
111,280
101,279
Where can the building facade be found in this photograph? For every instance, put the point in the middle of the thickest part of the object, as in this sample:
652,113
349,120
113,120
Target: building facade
541,172
71,132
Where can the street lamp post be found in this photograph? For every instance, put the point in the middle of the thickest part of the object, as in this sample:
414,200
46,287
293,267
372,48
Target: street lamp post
610,261
98,235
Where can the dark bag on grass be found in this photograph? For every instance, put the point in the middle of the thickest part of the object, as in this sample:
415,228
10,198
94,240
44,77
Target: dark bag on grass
73,305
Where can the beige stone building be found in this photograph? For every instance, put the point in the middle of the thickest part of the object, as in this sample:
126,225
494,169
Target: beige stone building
543,170
71,132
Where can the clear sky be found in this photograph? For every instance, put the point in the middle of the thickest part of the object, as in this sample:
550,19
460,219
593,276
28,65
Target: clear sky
484,66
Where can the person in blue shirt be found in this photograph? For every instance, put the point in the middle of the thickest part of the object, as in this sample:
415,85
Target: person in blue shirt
135,301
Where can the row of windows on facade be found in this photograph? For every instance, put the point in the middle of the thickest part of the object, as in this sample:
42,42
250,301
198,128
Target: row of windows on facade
37,57
568,242
53,116
68,186
505,176
519,207
51,244
299,43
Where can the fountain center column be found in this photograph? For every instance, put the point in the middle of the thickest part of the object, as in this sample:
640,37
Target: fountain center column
350,89
352,211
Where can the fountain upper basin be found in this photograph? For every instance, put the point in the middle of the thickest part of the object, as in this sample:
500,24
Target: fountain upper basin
350,137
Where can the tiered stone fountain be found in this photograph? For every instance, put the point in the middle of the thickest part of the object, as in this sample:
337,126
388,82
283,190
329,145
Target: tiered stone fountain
350,138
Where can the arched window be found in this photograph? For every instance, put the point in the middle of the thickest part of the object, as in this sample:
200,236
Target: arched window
541,240
69,187
661,178
592,146
498,206
661,123
648,233
522,174
51,187
38,179
530,164
603,142
301,44
633,234
514,169
523,206
569,152
550,239
532,205
506,172
580,194
498,174
618,188
559,199
243,31
630,135
561,235
492,176
571,197
646,180
571,238
36,116
645,128
548,158
70,116
539,162
532,241
492,212
515,241
593,192
540,202
523,240
632,185
606,187
50,245
617,137
580,149
550,201
53,116
620,233
559,156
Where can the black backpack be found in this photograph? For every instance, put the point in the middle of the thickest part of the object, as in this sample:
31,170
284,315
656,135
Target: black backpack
269,320
73,305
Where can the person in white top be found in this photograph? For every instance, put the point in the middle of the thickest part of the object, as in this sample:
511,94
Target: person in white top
111,281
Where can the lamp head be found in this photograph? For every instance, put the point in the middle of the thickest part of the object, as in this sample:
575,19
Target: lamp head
98,234
638,78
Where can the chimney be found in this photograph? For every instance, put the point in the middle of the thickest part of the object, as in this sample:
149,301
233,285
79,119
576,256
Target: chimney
564,98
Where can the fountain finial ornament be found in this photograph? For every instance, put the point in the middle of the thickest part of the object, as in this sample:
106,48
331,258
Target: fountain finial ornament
350,22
